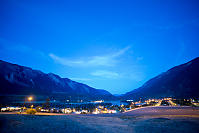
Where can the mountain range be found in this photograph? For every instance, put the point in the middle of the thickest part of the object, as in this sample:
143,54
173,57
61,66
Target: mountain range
16,80
179,82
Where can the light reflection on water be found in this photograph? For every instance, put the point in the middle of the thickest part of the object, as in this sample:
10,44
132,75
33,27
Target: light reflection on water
76,103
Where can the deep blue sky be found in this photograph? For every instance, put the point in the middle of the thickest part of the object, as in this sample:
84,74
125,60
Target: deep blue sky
112,45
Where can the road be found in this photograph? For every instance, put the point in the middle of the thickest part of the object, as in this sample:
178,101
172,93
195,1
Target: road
38,113
172,103
159,103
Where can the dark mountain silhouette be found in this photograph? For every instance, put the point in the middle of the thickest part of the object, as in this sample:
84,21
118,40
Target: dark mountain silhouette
19,80
180,82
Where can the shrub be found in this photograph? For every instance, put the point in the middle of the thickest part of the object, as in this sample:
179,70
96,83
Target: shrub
31,111
38,109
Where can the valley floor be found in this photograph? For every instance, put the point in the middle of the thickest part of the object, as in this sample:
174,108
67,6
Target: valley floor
144,120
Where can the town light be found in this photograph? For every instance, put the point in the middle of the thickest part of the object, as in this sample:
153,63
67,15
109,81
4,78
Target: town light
30,99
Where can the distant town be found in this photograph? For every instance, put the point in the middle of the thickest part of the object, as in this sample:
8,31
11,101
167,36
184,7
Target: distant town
30,106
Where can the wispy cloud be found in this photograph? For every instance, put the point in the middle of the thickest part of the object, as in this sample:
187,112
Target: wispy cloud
105,74
80,79
105,60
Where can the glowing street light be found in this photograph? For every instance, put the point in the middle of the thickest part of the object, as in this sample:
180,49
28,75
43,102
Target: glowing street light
30,99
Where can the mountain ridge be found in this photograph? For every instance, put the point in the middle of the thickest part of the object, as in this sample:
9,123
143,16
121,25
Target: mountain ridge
21,80
181,81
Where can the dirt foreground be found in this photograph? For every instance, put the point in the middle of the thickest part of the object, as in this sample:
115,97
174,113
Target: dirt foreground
143,120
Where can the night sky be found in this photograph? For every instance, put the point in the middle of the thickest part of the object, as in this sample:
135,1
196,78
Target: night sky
112,45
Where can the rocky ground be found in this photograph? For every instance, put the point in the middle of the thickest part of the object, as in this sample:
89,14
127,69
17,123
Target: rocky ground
144,120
